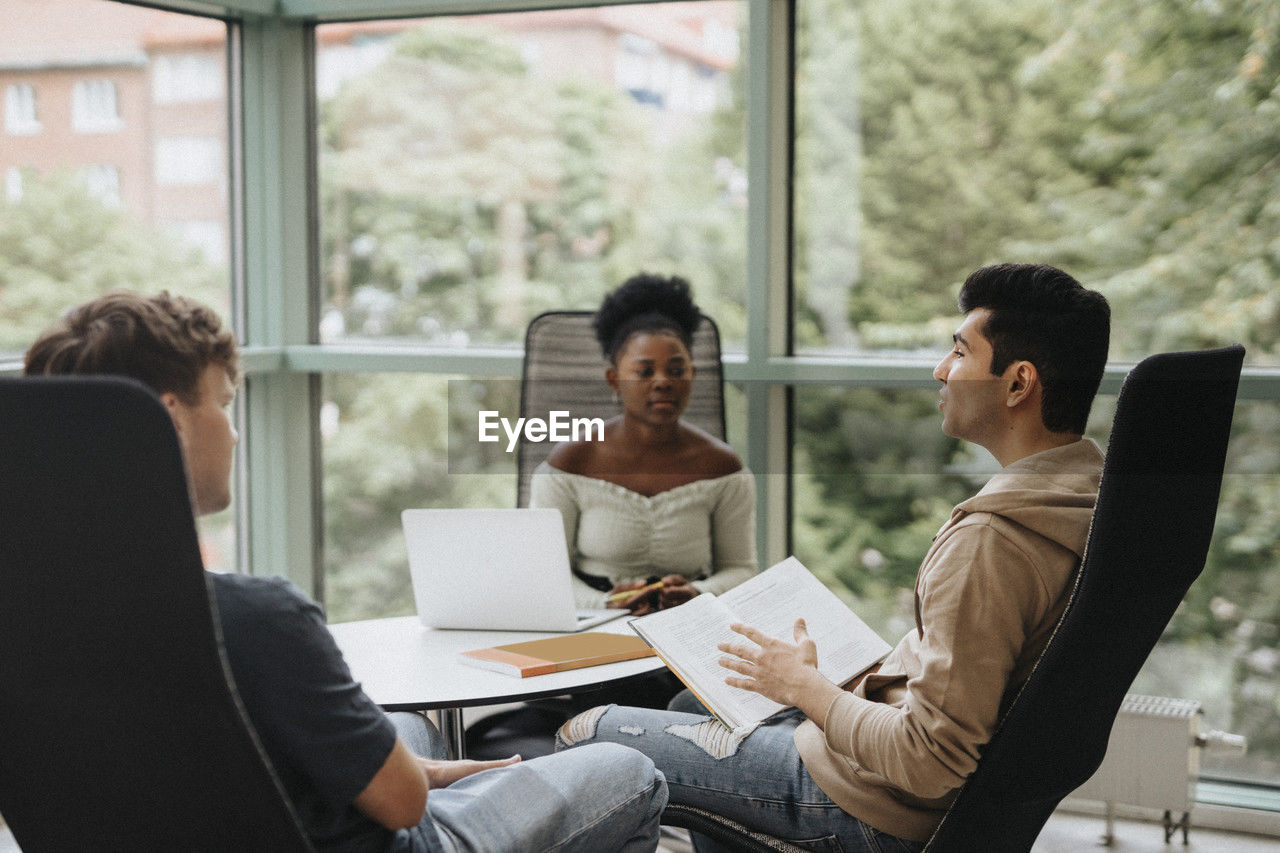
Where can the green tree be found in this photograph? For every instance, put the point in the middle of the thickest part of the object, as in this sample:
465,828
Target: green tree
922,145
463,194
927,143
885,479
400,441
1176,221
59,246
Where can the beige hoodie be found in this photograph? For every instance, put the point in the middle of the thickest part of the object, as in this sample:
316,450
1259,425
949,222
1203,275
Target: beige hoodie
989,593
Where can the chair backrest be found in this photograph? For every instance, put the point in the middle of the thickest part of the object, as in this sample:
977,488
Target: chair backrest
563,371
1147,544
121,728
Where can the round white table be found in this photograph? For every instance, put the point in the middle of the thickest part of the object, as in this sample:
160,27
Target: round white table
404,666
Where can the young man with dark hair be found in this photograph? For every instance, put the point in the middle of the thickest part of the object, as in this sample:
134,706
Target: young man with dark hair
358,779
873,765
1034,313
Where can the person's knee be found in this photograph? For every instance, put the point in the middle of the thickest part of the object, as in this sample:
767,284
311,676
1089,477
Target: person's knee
623,761
612,766
418,734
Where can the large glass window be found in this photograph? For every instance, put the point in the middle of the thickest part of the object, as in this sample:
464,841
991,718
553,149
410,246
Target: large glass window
1132,145
81,215
475,171
1223,646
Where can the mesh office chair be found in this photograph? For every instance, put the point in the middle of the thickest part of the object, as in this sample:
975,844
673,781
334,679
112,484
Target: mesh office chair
563,371
1147,543
121,727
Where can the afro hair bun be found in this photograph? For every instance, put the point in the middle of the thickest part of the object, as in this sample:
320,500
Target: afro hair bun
646,303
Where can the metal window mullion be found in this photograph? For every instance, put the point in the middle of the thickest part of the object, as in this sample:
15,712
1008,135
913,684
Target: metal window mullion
769,132
278,189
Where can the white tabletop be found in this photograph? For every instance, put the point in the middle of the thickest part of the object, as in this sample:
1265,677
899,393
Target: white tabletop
404,666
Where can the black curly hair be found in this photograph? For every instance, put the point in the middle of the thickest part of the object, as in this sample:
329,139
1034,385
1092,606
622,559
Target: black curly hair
646,303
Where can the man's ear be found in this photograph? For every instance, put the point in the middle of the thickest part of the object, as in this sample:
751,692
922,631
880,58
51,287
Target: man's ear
174,407
1024,380
611,377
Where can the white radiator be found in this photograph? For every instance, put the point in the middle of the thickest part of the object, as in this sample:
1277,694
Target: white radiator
1153,760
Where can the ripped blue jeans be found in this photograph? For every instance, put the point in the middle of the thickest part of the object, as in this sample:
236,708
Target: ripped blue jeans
759,781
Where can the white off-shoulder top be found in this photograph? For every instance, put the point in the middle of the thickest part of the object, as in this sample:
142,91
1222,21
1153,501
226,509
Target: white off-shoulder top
701,529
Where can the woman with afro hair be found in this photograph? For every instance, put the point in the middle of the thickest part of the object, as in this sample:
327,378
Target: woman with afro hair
657,499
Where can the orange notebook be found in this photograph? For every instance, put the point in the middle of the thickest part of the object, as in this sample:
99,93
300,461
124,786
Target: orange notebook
556,654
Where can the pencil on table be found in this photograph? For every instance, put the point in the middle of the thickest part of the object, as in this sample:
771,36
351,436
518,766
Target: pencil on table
627,593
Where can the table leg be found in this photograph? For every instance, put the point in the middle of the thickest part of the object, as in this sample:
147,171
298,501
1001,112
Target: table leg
452,730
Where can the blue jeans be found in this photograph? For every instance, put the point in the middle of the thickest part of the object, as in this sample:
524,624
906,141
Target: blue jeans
759,782
605,798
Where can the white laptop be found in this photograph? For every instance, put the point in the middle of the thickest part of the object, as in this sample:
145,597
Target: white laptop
494,569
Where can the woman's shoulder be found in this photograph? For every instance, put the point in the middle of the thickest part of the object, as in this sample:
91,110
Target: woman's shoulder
572,457
714,458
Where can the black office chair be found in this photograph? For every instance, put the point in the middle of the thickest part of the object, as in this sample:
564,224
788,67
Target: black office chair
121,728
1147,544
563,371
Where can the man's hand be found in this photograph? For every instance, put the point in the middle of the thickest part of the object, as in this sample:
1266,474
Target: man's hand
785,672
441,773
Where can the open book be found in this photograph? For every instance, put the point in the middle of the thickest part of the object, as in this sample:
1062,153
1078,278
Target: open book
685,637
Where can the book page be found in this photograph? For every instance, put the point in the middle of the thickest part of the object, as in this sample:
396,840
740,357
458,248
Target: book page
774,599
686,636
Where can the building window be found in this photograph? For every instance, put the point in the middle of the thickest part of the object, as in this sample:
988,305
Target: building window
641,69
186,78
20,117
188,161
95,106
13,184
103,183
